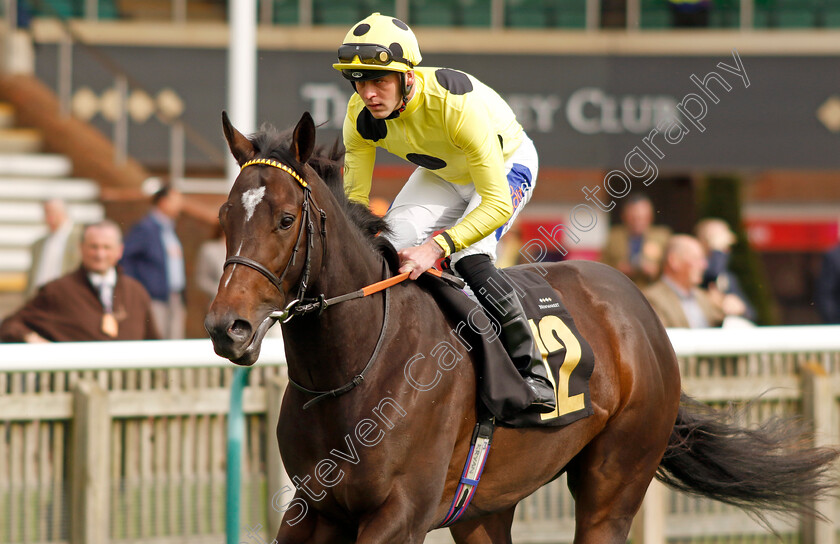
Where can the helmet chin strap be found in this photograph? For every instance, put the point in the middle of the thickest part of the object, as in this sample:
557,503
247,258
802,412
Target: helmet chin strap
406,91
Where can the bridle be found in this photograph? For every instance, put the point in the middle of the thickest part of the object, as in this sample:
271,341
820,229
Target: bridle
299,305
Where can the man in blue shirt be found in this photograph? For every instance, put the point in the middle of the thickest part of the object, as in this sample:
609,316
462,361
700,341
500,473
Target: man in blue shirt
154,257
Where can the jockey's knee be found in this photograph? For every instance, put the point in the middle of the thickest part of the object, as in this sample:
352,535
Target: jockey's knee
403,234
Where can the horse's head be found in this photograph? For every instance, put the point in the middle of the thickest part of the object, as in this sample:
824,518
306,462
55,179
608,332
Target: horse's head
267,221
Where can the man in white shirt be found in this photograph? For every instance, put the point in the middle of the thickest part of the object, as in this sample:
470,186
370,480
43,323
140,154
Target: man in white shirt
57,253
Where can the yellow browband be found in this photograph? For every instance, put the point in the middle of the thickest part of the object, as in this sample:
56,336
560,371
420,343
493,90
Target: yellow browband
275,164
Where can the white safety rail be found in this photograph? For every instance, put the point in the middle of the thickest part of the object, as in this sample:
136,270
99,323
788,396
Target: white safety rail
162,464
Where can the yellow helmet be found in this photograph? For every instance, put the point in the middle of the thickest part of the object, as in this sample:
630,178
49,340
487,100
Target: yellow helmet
377,43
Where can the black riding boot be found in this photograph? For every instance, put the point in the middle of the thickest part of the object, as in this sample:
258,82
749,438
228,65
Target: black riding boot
500,300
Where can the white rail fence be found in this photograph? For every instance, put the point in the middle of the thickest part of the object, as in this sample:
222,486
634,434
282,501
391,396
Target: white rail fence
125,442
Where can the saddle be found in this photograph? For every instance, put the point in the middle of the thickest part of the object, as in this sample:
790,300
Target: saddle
500,387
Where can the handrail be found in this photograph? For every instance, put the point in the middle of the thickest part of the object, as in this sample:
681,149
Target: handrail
160,354
129,355
745,341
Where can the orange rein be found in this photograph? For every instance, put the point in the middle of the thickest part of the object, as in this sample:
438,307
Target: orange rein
384,284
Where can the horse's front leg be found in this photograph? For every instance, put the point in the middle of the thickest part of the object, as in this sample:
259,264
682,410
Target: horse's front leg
312,528
401,519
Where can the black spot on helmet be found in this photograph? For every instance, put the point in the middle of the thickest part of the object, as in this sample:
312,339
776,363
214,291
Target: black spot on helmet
361,30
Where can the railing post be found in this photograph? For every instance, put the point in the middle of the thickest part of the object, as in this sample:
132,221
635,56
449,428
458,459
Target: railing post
177,153
497,14
236,433
649,523
91,461
275,473
121,122
818,405
65,74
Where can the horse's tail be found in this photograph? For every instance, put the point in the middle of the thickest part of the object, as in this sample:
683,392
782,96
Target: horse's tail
769,468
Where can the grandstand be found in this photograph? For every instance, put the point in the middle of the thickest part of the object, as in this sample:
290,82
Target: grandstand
554,14
595,98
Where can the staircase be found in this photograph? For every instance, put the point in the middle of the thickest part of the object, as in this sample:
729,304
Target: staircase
28,177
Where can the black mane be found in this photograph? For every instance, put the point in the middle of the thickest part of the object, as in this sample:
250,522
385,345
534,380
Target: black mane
328,163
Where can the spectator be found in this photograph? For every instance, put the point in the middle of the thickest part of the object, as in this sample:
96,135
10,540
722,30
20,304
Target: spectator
690,13
677,297
210,263
828,287
57,253
95,302
637,247
723,286
154,257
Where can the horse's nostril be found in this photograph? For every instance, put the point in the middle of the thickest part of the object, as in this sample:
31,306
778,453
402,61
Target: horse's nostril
239,330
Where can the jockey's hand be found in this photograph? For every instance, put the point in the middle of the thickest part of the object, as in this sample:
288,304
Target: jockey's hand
420,258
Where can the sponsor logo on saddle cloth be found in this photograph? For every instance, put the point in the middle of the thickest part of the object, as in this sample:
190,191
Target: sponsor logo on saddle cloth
566,353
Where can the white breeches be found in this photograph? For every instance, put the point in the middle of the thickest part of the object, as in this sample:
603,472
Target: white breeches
427,203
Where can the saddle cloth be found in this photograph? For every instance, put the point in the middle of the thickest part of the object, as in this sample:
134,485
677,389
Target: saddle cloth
568,355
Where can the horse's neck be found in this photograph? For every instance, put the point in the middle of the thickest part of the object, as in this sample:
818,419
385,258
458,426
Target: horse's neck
334,344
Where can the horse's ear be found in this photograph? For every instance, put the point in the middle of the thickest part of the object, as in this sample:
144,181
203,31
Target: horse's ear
303,140
239,145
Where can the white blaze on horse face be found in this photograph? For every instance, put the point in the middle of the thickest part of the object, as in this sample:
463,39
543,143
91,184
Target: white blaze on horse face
232,268
250,199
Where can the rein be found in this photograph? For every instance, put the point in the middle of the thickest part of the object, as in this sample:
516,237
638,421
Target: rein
301,305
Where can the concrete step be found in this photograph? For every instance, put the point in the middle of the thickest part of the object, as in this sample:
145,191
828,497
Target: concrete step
7,115
15,236
33,212
35,165
26,188
20,140
14,260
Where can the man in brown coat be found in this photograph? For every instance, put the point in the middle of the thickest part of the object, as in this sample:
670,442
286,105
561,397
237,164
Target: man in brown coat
677,297
95,302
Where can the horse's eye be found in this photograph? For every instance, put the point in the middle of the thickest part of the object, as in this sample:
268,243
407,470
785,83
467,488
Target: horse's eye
286,221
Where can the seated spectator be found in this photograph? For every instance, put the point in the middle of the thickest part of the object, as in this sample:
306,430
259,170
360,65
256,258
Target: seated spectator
95,302
155,258
636,246
723,286
57,253
828,287
677,297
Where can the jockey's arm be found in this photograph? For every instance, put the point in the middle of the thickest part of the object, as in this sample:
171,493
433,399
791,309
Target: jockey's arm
359,159
473,133
475,136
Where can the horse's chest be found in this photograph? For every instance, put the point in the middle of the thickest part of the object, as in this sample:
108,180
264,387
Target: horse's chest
333,463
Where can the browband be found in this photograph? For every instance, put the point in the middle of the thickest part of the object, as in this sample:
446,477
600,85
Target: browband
276,164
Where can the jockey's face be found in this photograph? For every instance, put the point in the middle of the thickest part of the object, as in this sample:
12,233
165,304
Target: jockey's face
381,95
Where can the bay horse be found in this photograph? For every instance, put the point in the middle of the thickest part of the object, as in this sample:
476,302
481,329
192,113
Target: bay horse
377,460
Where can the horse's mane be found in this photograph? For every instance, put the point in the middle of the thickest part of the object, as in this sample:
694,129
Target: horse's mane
328,163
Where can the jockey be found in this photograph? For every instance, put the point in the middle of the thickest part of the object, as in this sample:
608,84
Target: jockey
476,169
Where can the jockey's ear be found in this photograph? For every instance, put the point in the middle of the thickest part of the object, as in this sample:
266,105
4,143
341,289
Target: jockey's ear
239,145
303,140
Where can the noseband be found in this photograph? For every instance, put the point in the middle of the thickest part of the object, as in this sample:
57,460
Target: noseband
299,305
